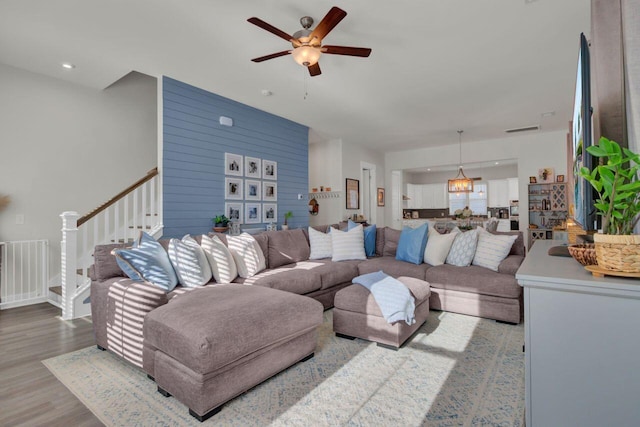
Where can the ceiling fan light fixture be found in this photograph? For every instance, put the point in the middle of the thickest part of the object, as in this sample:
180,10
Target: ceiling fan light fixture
306,55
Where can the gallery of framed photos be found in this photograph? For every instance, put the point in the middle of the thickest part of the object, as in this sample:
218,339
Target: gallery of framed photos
250,189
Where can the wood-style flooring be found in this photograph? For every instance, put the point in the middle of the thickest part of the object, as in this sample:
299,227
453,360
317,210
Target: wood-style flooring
29,394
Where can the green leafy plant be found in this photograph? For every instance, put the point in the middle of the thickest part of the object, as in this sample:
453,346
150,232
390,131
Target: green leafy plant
220,221
287,215
616,181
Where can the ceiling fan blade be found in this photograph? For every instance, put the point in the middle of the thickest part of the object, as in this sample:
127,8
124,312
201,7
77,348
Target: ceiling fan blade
346,50
314,70
273,30
271,56
331,19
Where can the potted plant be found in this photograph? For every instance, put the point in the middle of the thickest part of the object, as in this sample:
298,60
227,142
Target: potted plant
615,179
287,215
220,223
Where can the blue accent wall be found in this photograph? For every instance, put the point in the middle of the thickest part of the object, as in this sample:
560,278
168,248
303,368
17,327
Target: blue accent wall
193,157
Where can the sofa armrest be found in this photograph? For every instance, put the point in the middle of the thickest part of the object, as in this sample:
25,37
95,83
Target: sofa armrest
510,264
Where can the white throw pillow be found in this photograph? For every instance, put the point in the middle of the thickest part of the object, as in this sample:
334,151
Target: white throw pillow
348,244
492,249
438,246
463,249
320,244
220,259
247,255
189,262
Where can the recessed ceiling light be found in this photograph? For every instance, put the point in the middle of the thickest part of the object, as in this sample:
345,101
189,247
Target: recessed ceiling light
68,66
428,169
266,92
548,114
497,163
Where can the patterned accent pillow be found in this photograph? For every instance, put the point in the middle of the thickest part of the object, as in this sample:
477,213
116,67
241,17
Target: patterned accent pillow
189,262
320,244
247,254
463,249
492,249
223,267
438,246
348,244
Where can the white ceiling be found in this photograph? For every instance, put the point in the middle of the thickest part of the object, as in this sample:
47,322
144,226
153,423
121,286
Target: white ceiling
436,66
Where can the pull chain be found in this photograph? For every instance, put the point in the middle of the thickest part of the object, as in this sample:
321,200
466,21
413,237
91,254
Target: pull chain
306,93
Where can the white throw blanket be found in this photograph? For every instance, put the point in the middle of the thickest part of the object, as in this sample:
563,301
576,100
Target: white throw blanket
393,297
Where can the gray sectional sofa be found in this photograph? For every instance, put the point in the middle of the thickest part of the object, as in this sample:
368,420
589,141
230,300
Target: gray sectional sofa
120,305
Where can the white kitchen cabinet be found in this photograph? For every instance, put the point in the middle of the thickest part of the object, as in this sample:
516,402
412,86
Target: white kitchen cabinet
498,196
512,188
427,196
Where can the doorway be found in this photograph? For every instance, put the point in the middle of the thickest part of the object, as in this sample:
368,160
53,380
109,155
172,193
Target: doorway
368,191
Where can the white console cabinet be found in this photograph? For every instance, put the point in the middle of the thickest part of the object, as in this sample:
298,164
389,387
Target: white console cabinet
582,344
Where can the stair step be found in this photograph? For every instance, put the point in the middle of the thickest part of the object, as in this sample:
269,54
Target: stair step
56,290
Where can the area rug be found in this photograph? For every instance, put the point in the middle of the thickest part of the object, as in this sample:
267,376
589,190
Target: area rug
456,371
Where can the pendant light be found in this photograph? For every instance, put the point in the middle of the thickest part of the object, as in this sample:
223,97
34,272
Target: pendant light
460,184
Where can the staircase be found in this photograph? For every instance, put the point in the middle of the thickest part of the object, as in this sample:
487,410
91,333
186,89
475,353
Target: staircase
120,219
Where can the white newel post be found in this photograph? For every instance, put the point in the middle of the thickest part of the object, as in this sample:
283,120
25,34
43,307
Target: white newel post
69,259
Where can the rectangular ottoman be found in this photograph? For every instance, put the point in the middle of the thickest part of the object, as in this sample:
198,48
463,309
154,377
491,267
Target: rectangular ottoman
356,314
212,344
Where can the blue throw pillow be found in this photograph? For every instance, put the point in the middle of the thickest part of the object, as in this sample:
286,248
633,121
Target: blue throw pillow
369,237
412,244
147,261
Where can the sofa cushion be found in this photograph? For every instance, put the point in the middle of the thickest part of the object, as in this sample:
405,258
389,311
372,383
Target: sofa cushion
391,238
104,262
492,249
189,262
411,244
294,278
348,245
223,266
463,249
332,273
438,246
247,254
393,267
286,247
474,279
320,244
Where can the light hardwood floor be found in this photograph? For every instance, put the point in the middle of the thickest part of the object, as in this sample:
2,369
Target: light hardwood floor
29,394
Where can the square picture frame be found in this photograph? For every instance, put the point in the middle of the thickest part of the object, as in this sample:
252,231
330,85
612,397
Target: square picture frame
270,170
560,178
353,193
252,213
252,167
233,188
533,180
269,191
233,164
269,212
234,211
252,190
380,197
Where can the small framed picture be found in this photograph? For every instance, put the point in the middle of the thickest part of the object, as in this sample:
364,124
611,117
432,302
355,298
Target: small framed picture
269,212
252,189
380,196
532,180
233,188
269,170
560,178
233,211
232,164
252,167
252,213
269,191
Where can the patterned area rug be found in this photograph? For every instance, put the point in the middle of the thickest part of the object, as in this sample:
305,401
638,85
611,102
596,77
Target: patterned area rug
457,371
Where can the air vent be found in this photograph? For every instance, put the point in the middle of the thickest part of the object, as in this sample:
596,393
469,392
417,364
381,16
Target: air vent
523,129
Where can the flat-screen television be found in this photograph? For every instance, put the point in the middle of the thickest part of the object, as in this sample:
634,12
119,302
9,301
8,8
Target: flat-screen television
582,134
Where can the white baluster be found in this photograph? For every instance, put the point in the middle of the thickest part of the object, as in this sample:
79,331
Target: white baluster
69,257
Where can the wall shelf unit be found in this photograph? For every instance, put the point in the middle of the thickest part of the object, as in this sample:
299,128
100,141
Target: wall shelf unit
547,209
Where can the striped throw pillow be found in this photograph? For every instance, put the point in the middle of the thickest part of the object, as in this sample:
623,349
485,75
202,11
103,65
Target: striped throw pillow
492,249
320,244
348,244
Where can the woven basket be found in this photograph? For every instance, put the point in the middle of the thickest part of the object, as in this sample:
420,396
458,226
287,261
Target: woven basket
572,233
584,253
618,252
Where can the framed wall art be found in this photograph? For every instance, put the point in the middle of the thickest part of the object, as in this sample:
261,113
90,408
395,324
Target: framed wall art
269,191
269,170
252,167
233,164
233,188
252,213
233,211
380,196
252,190
353,193
269,212
545,175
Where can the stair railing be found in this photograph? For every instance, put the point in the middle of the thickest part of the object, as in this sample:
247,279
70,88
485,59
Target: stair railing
118,220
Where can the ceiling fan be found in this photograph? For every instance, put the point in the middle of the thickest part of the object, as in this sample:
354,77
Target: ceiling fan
307,44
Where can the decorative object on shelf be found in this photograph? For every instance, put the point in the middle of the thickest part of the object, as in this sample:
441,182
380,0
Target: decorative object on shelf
584,253
560,178
380,196
415,214
4,202
270,170
220,223
327,189
618,203
314,207
252,167
460,184
353,193
314,190
533,180
233,164
272,226
234,212
287,215
545,175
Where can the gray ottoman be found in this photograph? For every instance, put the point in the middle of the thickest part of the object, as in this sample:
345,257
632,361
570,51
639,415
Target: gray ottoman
356,314
212,344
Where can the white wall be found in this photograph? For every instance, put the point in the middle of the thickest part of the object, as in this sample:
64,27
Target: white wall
67,147
493,172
